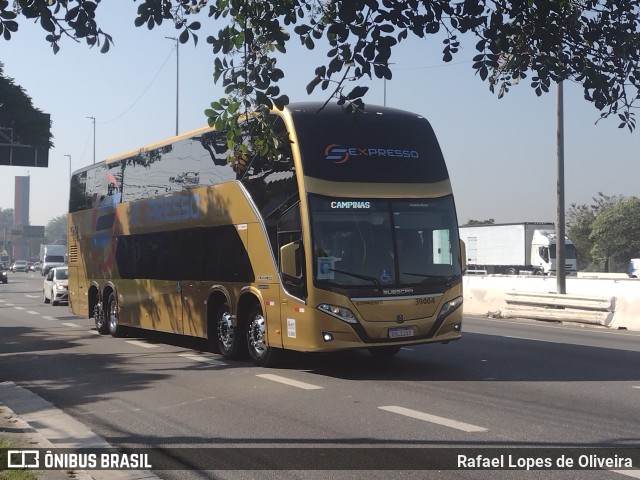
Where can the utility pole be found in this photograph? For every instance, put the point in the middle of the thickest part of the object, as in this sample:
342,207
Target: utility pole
561,277
94,137
177,78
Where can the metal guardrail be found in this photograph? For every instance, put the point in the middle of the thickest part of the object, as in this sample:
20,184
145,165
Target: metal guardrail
560,307
475,272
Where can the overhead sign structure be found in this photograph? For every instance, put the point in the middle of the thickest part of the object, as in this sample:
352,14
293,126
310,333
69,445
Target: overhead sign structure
15,153
28,231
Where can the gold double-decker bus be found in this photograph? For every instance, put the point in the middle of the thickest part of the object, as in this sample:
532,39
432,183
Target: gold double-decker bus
348,239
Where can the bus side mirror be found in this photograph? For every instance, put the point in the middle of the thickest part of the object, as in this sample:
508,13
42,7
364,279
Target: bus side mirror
463,257
290,261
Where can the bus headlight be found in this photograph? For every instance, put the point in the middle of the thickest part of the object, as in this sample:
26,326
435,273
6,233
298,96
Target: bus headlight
449,307
340,313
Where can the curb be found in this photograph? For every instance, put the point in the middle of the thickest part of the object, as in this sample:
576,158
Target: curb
29,421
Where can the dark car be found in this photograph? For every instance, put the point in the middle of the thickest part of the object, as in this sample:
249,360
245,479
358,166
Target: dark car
3,274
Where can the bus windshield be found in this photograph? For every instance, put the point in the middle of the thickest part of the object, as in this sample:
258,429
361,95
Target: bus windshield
383,243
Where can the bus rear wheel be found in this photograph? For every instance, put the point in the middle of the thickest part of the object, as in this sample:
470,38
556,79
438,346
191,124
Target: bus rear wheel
113,322
99,318
229,335
262,354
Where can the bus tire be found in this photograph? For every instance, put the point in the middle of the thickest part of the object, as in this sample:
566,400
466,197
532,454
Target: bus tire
512,271
99,318
229,335
113,323
261,354
383,352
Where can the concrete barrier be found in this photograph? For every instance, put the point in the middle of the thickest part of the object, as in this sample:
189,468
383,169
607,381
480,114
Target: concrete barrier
487,295
560,307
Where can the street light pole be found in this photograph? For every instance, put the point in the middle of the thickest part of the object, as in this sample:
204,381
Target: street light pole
177,77
69,156
94,137
69,177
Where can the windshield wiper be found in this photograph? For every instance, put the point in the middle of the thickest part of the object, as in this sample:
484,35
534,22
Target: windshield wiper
362,277
446,278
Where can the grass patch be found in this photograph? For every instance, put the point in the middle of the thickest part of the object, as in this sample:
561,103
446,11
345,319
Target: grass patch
12,474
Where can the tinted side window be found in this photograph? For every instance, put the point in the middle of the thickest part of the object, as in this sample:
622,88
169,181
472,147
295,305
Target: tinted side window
170,255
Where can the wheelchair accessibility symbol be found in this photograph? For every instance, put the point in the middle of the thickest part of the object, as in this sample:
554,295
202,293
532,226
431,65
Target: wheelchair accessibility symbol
384,276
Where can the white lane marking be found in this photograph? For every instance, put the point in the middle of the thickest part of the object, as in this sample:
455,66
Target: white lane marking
94,332
447,422
637,387
19,308
141,344
31,312
49,318
9,305
70,324
563,327
32,296
288,381
199,358
628,473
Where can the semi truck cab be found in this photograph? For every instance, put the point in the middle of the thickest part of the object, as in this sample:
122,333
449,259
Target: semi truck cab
543,253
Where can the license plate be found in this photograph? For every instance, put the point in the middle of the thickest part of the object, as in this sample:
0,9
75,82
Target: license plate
400,332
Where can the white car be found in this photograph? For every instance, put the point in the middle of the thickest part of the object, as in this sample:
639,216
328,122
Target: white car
56,286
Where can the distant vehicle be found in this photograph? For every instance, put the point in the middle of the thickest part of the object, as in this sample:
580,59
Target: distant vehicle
3,275
5,261
35,267
56,286
20,266
52,256
515,247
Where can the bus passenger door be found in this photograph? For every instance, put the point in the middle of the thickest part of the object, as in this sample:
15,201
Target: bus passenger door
293,275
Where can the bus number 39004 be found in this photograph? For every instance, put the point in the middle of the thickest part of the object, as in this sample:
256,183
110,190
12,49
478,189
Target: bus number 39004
425,301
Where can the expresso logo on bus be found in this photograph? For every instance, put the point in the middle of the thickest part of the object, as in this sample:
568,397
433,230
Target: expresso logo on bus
339,154
163,210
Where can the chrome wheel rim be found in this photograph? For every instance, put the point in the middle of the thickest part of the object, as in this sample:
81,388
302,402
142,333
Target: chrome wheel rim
97,315
113,317
226,330
256,336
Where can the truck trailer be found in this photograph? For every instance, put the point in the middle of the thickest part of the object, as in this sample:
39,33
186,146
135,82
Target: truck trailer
515,248
52,256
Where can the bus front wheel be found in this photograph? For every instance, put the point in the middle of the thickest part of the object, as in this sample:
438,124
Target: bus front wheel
262,354
229,335
115,329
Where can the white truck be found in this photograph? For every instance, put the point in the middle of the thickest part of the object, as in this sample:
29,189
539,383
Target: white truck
515,248
52,256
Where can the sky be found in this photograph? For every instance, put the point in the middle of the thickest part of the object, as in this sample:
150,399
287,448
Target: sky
501,153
